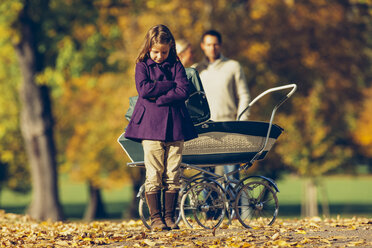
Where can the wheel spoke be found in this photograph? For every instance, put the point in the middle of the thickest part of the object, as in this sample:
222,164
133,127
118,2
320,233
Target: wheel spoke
256,203
203,203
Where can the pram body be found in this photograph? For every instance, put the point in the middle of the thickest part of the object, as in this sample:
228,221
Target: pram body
219,143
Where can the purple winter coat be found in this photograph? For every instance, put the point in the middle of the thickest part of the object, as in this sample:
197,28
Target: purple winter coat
160,112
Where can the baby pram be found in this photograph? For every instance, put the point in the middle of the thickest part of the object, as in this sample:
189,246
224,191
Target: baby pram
219,143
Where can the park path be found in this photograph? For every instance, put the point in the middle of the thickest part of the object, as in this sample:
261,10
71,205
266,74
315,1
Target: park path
23,231
311,232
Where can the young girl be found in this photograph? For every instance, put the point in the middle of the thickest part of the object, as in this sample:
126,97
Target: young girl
161,122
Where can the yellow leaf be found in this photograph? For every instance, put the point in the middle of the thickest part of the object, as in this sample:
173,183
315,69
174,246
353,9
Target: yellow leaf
325,241
352,228
316,219
149,242
280,243
275,236
356,243
314,225
245,245
338,237
305,241
224,226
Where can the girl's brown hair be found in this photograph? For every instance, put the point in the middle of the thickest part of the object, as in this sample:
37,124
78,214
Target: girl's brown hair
159,34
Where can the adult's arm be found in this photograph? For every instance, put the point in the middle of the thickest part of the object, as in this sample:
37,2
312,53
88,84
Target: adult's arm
242,93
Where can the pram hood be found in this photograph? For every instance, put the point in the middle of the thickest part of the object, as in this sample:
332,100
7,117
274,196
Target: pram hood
197,104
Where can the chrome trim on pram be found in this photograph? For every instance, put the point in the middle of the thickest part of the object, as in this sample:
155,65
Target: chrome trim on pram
294,87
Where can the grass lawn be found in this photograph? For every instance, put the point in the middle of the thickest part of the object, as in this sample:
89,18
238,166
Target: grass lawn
74,197
348,196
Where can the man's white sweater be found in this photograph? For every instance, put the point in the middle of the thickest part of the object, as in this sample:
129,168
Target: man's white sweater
226,88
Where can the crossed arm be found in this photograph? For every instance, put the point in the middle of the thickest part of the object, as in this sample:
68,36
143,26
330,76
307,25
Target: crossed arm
163,92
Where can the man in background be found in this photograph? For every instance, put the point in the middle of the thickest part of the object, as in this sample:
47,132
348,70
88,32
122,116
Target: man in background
224,83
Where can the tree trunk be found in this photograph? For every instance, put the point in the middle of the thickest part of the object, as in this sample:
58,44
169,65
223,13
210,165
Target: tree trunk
37,130
95,208
309,206
2,178
324,197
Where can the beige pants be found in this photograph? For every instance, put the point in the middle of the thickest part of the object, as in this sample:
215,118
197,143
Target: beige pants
162,162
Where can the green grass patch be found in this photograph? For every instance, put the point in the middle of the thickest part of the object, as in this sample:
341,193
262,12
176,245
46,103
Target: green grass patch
347,196
74,197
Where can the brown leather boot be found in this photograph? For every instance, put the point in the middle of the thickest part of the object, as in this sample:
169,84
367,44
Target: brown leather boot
154,203
170,203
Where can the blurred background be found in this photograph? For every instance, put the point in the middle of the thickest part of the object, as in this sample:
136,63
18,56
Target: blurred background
67,71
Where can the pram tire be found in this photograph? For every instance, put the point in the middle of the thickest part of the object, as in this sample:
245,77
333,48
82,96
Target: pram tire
256,204
204,203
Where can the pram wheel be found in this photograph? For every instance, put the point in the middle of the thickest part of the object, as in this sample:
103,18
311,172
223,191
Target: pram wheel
204,203
144,212
256,204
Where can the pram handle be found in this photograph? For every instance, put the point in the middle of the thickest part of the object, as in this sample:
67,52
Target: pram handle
293,86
